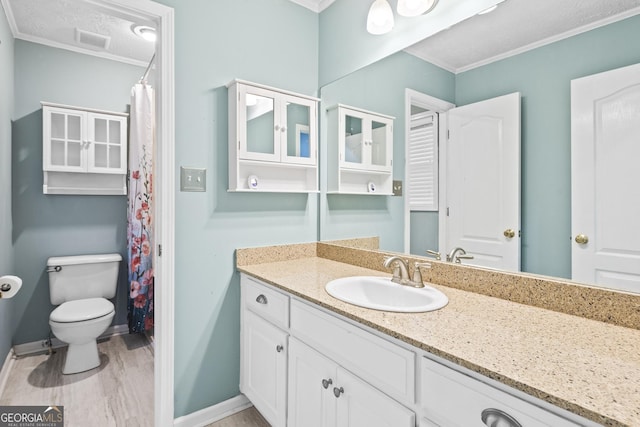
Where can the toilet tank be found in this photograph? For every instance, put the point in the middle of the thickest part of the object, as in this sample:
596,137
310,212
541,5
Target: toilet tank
83,276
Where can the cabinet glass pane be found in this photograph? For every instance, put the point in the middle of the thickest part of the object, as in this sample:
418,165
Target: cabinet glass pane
353,139
57,126
114,156
260,124
298,117
100,155
379,144
57,153
100,130
74,154
73,130
114,132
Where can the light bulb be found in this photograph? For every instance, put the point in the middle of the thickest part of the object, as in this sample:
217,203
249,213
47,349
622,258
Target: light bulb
380,17
415,7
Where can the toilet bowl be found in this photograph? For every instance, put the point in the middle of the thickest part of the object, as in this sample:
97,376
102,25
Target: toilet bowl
79,323
80,286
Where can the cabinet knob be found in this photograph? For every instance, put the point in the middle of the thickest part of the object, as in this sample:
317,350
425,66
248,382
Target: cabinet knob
492,417
277,127
338,391
279,348
261,299
326,383
283,129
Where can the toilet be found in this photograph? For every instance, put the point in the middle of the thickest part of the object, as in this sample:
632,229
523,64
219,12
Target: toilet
80,286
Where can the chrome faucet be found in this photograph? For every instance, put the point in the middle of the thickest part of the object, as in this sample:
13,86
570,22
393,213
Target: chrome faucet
453,255
401,271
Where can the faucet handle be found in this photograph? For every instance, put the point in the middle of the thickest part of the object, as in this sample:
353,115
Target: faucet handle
459,257
417,275
437,255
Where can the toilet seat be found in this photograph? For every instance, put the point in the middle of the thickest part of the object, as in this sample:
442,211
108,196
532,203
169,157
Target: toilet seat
81,310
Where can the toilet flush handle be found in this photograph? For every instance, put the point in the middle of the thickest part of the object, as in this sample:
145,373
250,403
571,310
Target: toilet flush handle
55,269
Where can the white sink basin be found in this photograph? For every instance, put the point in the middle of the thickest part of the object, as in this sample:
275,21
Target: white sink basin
380,293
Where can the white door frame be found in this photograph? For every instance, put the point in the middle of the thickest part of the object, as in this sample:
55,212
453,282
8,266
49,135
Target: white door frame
164,196
431,103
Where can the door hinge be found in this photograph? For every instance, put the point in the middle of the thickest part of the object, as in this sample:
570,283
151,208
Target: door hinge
159,250
447,211
448,134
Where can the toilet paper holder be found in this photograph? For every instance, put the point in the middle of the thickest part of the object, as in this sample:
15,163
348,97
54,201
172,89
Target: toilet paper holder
9,286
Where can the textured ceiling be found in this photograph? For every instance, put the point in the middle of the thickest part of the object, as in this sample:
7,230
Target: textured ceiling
517,25
55,23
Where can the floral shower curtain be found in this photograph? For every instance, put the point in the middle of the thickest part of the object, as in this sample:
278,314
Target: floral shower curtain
139,212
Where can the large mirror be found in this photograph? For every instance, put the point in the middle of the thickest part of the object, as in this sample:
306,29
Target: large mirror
542,76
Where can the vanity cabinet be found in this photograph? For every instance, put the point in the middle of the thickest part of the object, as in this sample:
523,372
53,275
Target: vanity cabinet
453,399
83,151
361,162
263,356
323,394
272,139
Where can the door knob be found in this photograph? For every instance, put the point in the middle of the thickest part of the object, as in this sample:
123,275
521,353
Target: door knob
509,233
582,239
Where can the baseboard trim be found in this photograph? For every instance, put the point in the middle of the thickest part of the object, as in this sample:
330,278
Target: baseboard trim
213,413
35,347
6,368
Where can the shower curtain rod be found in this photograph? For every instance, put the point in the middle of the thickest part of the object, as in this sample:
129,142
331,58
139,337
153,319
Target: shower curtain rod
146,73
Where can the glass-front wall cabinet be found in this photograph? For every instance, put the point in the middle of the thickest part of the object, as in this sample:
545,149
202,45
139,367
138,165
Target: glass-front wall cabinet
366,140
273,139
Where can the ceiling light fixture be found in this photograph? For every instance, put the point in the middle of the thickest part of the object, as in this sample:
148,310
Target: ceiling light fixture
147,33
415,7
380,17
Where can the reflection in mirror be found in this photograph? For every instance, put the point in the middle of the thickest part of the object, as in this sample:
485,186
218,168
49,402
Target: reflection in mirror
298,117
378,143
260,122
543,77
353,139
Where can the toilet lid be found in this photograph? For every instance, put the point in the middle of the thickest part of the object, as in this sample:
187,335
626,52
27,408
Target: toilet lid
81,309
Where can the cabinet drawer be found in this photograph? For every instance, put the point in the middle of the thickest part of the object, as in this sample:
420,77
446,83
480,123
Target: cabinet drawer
453,399
386,366
265,301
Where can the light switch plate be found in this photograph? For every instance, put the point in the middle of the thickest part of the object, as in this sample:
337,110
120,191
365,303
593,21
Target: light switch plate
397,187
193,179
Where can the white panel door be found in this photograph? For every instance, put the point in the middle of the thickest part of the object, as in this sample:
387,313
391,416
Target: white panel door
311,381
483,182
361,405
605,178
264,368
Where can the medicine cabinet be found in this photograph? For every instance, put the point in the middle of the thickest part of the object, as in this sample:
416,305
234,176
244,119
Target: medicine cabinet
272,139
84,151
361,159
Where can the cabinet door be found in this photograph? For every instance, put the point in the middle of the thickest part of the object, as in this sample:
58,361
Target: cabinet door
361,405
298,130
264,367
64,136
379,145
352,138
107,136
311,381
259,128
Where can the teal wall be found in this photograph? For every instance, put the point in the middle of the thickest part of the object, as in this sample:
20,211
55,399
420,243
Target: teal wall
272,42
55,225
543,78
6,114
379,87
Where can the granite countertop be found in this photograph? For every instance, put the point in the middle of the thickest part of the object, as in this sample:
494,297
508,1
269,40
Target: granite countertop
588,367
